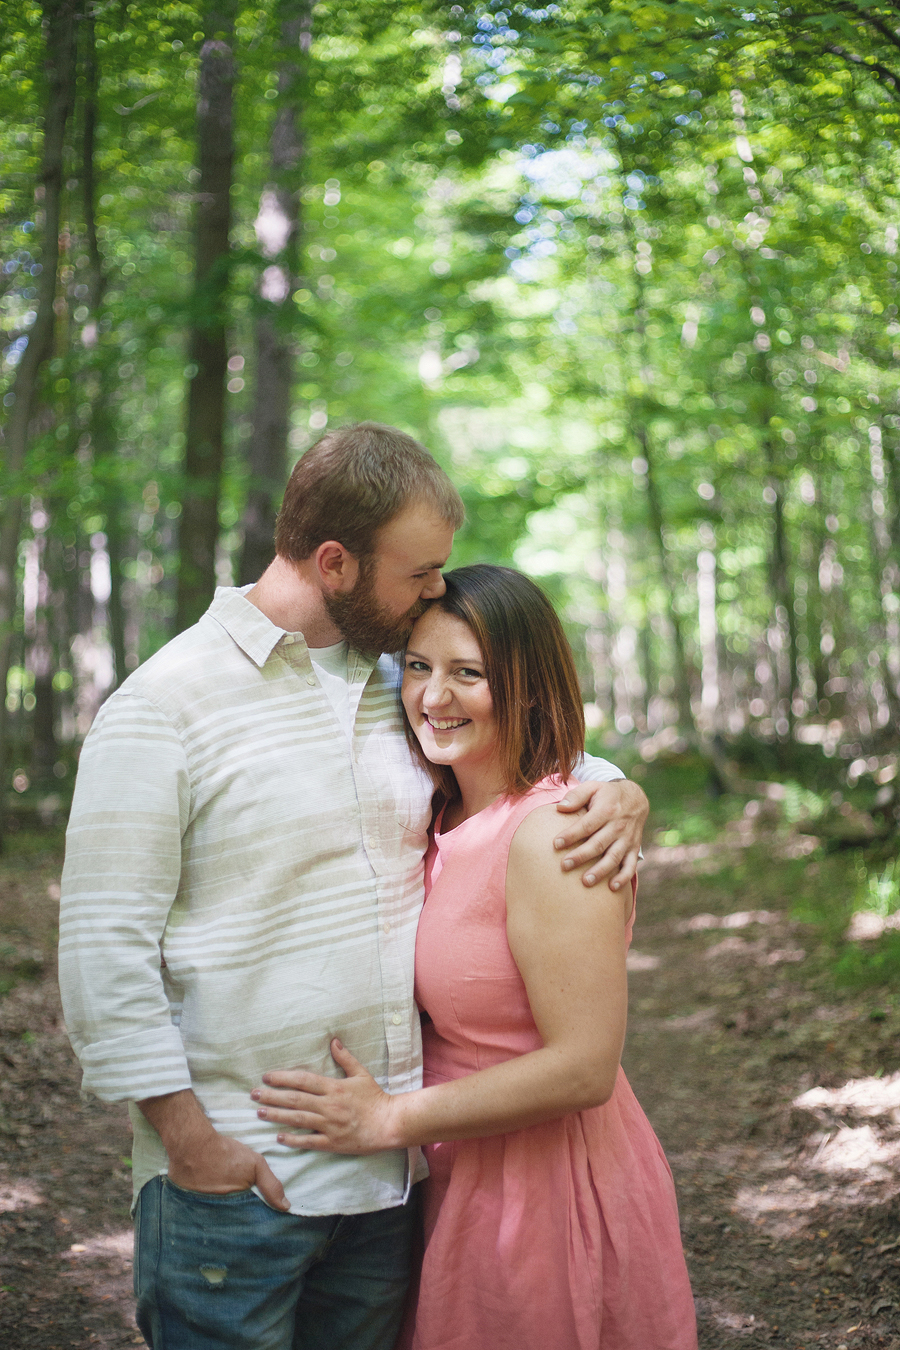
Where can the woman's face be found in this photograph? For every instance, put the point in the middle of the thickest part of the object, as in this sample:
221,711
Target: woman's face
446,695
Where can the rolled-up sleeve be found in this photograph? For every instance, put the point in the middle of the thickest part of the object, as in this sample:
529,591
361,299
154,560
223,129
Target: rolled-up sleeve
591,769
121,875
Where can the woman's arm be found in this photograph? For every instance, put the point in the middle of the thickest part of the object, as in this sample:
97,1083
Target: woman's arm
569,945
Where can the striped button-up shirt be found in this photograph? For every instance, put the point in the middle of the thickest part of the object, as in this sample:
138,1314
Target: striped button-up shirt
241,885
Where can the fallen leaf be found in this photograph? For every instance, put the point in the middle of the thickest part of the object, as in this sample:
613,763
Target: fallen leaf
838,1264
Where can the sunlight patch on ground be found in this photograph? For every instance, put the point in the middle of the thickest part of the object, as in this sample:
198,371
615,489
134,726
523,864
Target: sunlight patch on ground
741,919
101,1267
19,1195
784,1208
783,954
704,1019
855,1150
863,1096
737,1323
736,946
844,1169
756,951
106,1245
784,1198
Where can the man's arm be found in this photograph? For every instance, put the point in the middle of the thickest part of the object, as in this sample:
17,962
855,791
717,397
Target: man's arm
123,865
609,814
201,1159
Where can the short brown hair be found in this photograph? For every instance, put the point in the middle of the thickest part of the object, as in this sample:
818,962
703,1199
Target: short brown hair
354,481
530,671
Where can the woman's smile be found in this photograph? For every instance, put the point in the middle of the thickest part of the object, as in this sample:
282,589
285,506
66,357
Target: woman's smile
441,725
446,694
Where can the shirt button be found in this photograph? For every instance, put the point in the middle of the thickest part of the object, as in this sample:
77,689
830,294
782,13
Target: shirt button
288,640
310,679
396,1019
385,927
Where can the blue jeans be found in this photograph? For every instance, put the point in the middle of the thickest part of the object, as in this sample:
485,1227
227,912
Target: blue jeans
225,1271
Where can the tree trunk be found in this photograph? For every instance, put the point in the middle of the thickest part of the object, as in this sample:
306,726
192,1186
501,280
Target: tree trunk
60,24
103,439
208,353
779,570
882,550
786,684
277,229
681,668
44,752
657,528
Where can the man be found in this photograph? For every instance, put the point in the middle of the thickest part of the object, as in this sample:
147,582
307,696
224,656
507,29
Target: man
242,883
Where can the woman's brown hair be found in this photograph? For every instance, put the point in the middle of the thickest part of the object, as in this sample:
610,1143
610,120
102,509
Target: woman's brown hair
530,672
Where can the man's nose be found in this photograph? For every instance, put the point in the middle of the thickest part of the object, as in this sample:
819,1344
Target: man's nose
434,589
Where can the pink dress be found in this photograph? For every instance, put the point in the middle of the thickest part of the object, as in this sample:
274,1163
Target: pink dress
562,1236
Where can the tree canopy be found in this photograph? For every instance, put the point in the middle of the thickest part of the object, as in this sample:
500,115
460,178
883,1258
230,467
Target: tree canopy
630,269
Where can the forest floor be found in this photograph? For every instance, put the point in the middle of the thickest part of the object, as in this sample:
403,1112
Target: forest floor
775,1092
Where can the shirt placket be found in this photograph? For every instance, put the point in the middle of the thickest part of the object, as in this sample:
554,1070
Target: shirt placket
380,840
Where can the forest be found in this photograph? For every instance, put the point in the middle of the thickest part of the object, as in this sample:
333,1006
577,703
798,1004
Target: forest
629,269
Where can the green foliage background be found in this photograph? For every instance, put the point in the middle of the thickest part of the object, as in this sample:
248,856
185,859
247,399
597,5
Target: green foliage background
630,269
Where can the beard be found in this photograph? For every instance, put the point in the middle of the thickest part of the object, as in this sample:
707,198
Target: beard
364,622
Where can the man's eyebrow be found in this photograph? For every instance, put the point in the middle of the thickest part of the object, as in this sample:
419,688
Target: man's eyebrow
431,566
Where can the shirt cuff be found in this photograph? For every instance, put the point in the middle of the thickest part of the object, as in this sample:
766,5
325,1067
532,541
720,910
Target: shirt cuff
144,1064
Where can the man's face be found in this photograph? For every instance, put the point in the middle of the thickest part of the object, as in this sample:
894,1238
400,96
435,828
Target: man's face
395,582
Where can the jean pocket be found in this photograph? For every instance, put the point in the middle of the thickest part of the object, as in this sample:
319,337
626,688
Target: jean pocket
212,1197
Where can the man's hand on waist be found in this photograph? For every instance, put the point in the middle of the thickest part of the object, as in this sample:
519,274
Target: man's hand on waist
201,1159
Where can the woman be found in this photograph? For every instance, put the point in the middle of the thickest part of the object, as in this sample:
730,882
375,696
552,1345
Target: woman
550,1214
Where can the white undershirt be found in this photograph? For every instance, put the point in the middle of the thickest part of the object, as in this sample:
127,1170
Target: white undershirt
330,664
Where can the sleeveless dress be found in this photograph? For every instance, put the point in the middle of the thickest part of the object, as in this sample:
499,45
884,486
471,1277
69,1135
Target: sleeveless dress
562,1236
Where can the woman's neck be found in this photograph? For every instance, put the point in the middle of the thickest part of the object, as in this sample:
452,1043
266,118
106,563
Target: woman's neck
479,786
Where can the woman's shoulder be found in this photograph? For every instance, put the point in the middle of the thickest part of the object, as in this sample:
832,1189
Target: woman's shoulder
537,819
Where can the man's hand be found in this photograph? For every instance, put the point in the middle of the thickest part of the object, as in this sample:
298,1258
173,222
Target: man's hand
608,832
201,1159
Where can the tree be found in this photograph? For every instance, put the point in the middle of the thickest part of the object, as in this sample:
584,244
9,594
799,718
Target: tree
59,17
208,349
278,234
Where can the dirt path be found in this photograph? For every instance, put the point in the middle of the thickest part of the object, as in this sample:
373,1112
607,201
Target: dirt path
777,1100
743,1055
65,1181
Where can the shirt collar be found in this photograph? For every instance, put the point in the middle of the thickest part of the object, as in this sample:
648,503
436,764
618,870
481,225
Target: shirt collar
246,625
258,636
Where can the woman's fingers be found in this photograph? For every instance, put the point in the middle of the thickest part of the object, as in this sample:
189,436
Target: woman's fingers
342,1057
298,1118
299,1080
319,1143
343,1114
